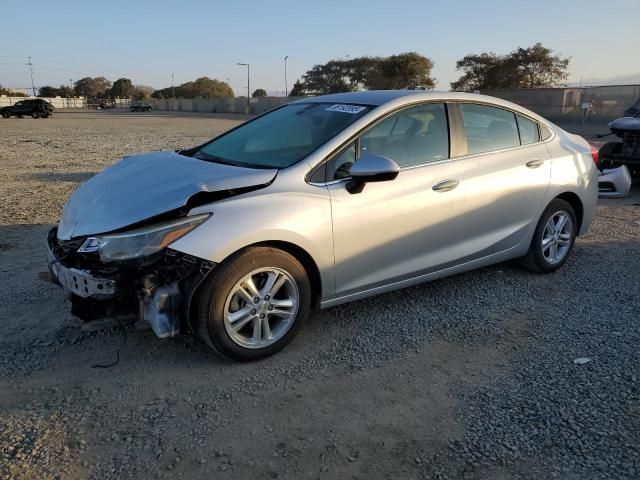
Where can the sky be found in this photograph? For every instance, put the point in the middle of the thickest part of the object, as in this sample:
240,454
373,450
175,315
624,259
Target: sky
148,41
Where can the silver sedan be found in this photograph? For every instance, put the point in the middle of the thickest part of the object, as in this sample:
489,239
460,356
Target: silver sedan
316,203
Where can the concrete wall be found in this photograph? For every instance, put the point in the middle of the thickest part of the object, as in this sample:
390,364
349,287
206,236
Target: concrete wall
606,103
57,102
220,105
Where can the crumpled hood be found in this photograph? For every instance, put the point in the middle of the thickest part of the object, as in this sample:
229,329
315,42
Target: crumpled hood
143,186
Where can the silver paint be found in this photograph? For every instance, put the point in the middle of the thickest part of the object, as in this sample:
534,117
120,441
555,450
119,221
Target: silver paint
433,220
143,186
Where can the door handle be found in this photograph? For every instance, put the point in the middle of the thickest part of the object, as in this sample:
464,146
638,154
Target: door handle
445,185
535,163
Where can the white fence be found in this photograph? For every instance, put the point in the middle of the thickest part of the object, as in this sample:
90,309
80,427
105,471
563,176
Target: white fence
209,105
220,105
57,102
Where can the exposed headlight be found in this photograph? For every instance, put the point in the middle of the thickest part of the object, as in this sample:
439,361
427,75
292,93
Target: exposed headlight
140,242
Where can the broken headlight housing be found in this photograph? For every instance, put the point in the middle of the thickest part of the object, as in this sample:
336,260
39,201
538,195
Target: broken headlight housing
140,242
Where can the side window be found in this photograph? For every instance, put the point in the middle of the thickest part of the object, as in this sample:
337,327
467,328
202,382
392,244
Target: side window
489,128
528,130
339,166
410,137
545,133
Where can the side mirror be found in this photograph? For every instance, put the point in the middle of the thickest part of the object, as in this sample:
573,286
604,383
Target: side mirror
371,168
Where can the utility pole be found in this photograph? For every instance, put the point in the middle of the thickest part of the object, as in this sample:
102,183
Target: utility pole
248,85
286,85
33,87
173,94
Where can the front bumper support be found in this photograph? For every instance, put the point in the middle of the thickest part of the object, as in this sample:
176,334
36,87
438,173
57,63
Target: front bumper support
159,291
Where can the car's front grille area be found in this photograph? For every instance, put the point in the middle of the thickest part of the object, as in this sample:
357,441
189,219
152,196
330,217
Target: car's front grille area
66,252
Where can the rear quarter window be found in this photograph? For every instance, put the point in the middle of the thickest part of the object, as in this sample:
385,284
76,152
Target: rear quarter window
489,128
545,133
528,130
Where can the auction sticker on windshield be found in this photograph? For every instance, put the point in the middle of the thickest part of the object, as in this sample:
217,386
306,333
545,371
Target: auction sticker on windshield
344,108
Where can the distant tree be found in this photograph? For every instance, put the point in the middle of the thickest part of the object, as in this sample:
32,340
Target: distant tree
48,91
142,92
335,76
298,89
204,87
65,91
403,71
259,92
11,93
122,88
92,87
538,67
484,71
531,67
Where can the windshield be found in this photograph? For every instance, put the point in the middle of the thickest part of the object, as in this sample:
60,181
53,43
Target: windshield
282,137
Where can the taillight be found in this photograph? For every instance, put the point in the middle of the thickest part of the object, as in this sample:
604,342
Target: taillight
595,153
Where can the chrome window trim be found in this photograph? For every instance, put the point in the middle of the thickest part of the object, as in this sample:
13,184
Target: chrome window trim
437,162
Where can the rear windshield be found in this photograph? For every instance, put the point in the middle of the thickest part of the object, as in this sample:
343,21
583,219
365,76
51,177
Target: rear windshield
282,137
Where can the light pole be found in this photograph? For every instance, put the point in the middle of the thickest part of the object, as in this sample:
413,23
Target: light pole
286,85
33,87
248,86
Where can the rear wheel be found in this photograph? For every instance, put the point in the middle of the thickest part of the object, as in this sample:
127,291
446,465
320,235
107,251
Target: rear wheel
553,238
35,114
253,304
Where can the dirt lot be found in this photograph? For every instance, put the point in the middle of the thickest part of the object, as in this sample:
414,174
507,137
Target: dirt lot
467,377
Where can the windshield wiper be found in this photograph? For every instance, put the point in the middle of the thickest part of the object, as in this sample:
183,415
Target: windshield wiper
212,158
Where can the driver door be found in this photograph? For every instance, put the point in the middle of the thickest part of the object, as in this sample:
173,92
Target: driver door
399,229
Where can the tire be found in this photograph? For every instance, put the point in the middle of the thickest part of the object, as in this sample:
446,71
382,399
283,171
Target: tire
539,259
6,115
35,114
218,300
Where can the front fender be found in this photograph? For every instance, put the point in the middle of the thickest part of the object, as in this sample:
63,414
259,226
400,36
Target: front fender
301,218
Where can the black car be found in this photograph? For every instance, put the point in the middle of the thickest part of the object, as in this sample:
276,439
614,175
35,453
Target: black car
140,107
633,110
36,108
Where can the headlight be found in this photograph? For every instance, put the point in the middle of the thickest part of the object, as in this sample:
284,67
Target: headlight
140,242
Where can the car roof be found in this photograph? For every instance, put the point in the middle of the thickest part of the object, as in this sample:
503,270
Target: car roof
398,98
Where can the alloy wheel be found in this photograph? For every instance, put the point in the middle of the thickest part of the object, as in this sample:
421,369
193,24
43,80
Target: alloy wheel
557,237
261,307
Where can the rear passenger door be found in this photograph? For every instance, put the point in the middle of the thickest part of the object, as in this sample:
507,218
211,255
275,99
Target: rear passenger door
504,177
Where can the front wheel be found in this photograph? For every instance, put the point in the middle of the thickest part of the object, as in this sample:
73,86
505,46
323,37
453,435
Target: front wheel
35,114
6,114
553,238
253,304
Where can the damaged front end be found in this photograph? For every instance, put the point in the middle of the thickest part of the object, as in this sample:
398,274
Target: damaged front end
112,248
157,288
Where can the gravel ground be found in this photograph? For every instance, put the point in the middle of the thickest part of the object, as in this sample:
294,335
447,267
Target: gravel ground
468,377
